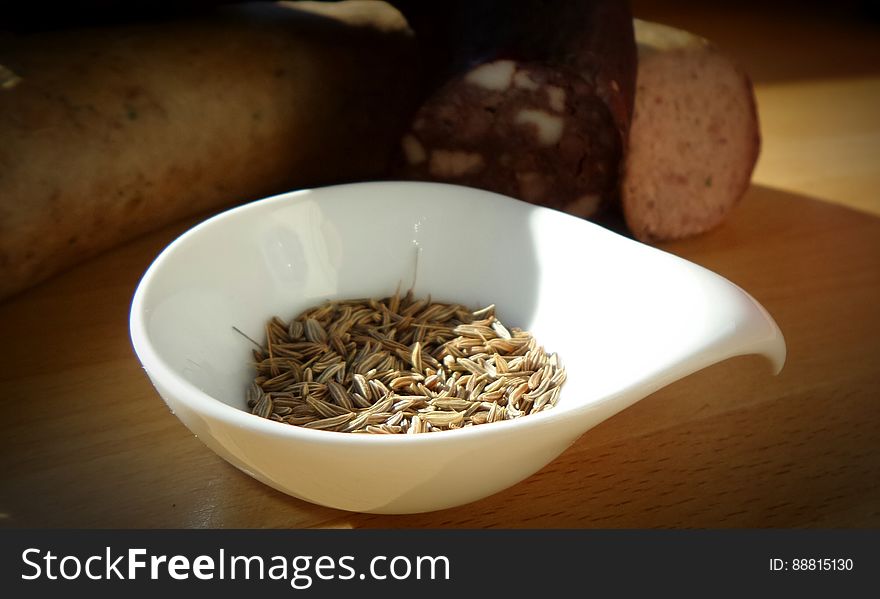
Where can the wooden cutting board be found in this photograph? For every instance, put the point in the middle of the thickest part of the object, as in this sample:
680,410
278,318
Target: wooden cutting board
85,441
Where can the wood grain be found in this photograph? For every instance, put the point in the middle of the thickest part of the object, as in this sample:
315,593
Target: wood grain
86,442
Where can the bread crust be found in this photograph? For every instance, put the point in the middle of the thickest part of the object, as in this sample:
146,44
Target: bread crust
110,132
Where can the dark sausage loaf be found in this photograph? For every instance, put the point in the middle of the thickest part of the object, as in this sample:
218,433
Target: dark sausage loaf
530,99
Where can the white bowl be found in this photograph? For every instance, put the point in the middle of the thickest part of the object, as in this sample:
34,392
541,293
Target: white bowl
625,318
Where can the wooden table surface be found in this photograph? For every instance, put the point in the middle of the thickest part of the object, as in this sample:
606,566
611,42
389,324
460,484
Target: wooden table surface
85,441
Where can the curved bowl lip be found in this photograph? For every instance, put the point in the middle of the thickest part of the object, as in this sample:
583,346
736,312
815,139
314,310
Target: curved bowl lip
200,402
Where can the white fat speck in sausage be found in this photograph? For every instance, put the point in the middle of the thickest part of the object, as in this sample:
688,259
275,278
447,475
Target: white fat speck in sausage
556,97
549,127
451,163
523,80
496,75
413,150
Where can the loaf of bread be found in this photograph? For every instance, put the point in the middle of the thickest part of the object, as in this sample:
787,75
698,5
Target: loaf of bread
694,138
108,132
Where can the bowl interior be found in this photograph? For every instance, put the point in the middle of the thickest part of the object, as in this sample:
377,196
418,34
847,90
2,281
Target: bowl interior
616,311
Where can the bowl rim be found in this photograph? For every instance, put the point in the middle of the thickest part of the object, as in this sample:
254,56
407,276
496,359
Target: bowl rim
201,402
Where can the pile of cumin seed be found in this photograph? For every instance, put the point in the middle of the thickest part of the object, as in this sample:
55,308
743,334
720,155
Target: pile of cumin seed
400,365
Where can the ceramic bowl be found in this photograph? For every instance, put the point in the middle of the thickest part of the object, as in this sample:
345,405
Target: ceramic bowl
625,318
